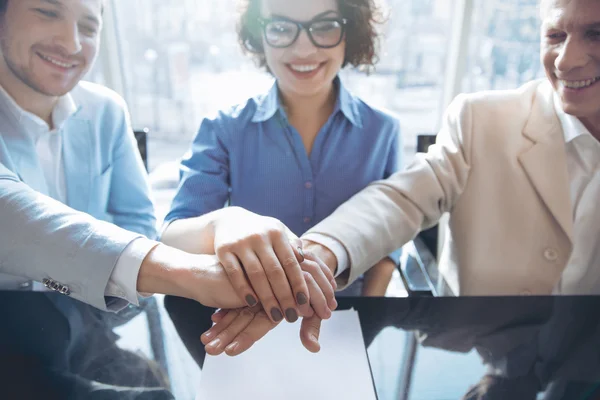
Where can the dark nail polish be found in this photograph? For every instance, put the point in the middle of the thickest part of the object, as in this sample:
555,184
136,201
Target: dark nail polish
250,300
291,315
301,298
276,314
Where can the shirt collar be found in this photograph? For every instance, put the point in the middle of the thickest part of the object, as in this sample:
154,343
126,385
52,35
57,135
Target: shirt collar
348,104
269,104
64,109
572,127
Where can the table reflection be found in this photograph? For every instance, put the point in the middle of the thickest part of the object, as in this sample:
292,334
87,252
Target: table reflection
419,348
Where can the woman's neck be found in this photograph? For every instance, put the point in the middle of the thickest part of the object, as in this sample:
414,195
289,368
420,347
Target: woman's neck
306,108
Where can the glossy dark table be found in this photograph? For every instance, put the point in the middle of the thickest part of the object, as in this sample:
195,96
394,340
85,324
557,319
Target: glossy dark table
549,344
552,344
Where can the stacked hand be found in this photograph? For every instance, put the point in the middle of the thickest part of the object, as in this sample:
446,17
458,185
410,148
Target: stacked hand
262,259
260,271
236,330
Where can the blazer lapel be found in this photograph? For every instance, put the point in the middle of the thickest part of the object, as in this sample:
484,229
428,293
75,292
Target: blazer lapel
77,155
545,163
22,160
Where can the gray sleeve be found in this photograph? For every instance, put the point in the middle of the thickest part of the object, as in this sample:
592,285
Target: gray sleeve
41,238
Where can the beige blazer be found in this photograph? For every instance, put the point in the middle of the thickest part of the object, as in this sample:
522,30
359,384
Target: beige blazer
499,168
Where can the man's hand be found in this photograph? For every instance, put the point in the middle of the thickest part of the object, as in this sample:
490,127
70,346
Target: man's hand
174,272
323,253
235,331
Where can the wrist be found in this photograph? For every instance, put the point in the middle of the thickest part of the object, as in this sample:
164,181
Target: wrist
199,277
153,276
169,271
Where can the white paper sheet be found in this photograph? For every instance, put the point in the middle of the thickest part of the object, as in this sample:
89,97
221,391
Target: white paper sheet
279,368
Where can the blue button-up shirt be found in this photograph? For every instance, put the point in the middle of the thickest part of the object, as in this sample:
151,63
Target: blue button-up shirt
251,157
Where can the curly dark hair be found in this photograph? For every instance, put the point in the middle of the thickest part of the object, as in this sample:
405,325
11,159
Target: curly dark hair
362,38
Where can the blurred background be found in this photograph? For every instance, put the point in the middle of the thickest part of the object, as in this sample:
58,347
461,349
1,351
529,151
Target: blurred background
177,61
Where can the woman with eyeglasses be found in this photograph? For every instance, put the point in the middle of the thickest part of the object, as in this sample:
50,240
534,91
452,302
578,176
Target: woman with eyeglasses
300,150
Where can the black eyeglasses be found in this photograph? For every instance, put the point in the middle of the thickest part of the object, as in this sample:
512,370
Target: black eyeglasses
322,32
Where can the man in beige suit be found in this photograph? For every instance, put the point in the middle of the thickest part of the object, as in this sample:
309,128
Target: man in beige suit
518,171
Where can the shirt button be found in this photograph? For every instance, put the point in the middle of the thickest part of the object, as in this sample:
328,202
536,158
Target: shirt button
308,185
307,220
550,254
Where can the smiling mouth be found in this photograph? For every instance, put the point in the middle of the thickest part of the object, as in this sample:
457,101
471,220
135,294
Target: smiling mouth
581,84
304,68
56,62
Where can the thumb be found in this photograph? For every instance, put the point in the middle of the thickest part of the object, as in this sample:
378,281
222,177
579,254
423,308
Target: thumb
309,333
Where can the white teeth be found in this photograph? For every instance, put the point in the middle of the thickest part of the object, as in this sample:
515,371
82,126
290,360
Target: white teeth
579,84
56,62
304,68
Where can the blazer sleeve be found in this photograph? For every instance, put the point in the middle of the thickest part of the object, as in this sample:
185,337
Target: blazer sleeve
389,213
129,201
42,238
392,166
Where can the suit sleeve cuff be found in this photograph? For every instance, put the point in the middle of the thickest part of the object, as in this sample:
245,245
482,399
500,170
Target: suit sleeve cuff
337,248
122,283
395,256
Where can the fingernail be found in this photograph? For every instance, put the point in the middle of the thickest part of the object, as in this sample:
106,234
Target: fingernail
215,343
208,334
276,314
301,298
314,338
291,315
232,347
250,300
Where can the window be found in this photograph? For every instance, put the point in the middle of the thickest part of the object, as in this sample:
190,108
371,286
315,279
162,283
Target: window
409,79
181,62
505,45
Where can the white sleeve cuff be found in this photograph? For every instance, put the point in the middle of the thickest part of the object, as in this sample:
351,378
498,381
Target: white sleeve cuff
123,280
338,249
